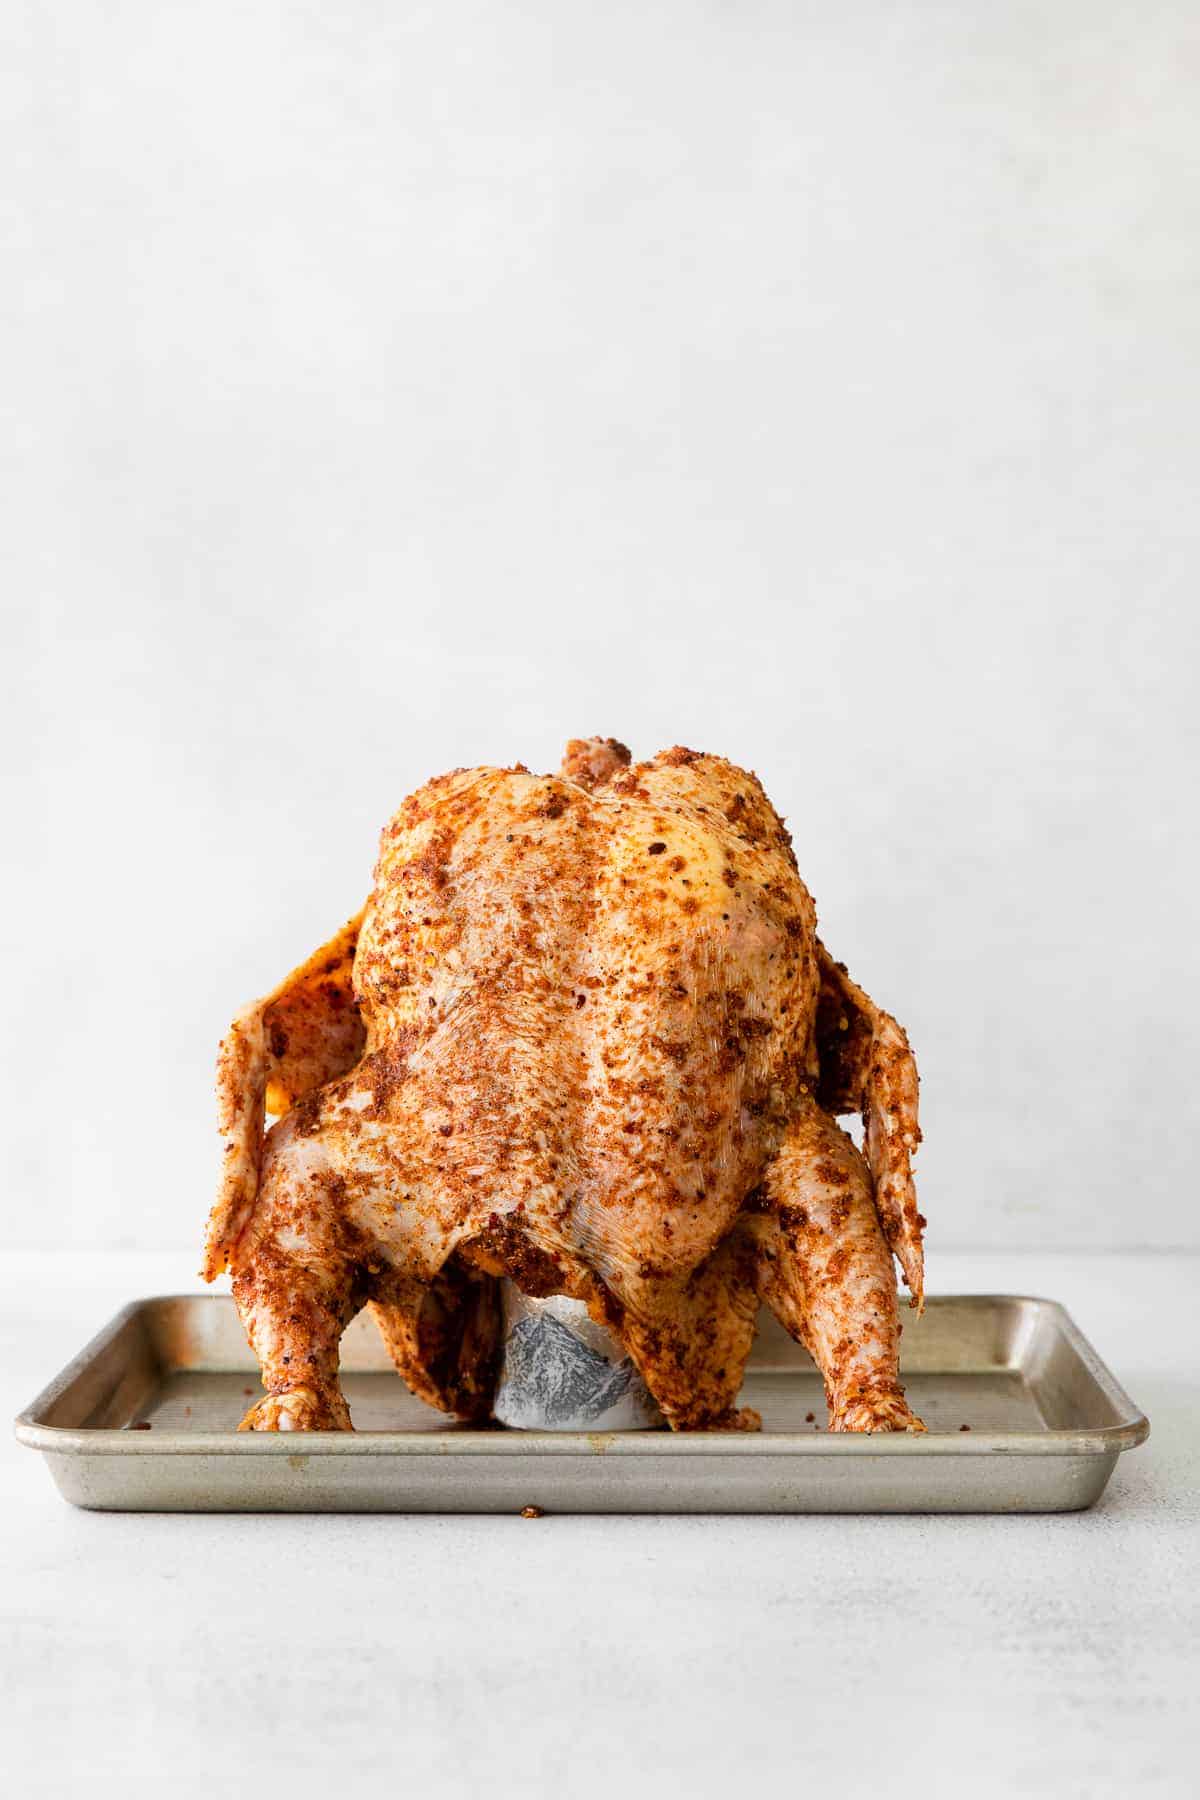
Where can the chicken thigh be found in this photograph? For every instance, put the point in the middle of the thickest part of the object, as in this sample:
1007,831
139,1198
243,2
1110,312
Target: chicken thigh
583,1035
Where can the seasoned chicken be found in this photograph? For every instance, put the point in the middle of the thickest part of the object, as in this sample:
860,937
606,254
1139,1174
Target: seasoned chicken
583,1035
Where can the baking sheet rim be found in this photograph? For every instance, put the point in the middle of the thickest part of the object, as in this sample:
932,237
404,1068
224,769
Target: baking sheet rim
1104,1440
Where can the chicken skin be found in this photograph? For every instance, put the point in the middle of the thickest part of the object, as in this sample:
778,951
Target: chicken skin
582,1035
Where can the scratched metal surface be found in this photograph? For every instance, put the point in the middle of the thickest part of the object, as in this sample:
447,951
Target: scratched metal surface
1046,1422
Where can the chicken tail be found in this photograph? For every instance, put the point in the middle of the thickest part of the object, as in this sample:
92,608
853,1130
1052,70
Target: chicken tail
590,762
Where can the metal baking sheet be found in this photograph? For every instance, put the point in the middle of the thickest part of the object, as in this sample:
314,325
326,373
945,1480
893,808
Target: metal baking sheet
1046,1421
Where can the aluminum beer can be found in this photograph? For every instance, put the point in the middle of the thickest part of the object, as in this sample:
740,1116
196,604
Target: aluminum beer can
561,1371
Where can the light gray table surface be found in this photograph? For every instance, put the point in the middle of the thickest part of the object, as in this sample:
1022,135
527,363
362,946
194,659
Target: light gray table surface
471,1655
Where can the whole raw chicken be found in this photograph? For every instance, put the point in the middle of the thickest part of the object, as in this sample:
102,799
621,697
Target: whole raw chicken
583,1035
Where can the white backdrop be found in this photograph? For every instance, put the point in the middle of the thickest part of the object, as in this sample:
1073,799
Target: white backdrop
390,388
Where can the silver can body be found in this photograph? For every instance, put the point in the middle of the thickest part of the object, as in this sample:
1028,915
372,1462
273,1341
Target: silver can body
563,1372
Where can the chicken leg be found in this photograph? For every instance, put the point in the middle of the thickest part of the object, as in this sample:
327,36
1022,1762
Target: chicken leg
690,1339
826,1272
